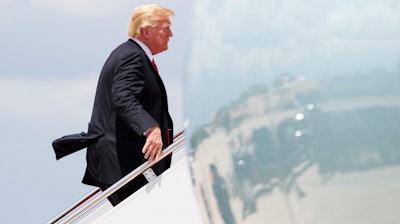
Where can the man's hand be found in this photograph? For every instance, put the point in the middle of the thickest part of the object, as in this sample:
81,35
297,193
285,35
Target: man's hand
153,146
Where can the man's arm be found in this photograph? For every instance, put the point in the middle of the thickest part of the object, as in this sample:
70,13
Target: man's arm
127,84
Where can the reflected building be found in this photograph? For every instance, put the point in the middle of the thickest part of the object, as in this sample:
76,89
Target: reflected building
294,111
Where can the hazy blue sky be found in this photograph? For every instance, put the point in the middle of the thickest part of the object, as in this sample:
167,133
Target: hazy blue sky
51,55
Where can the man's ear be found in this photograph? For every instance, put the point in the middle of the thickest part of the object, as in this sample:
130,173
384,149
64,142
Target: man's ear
144,32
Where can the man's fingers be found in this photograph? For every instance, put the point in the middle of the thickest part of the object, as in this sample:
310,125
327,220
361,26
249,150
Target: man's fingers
145,147
151,157
158,155
150,152
152,148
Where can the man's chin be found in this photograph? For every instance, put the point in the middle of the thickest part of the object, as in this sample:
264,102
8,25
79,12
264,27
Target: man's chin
165,48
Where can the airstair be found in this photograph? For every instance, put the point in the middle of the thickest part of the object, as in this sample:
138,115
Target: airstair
168,198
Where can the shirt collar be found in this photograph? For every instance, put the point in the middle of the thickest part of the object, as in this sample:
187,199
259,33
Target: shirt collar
144,47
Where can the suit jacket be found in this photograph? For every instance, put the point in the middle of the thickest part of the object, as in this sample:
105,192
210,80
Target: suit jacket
130,99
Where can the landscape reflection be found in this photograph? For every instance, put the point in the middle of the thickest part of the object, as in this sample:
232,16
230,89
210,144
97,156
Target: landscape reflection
299,143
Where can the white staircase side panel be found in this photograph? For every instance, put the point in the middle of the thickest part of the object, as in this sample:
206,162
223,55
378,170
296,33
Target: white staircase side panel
167,199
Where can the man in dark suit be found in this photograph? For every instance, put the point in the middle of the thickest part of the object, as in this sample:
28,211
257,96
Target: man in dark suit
130,106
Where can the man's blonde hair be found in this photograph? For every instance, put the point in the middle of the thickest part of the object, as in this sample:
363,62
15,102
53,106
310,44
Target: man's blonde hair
147,15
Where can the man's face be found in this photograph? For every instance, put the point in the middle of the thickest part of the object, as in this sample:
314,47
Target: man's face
159,36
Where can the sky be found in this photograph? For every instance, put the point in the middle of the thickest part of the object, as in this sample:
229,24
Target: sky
51,55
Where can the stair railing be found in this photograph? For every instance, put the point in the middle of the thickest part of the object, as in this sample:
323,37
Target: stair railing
96,196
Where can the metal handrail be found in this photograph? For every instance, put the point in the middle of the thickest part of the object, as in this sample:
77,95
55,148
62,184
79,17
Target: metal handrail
95,192
75,206
179,140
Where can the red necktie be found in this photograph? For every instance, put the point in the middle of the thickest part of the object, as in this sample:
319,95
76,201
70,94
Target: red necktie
154,64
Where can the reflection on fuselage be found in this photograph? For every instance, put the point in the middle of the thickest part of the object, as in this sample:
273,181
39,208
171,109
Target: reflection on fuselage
272,136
